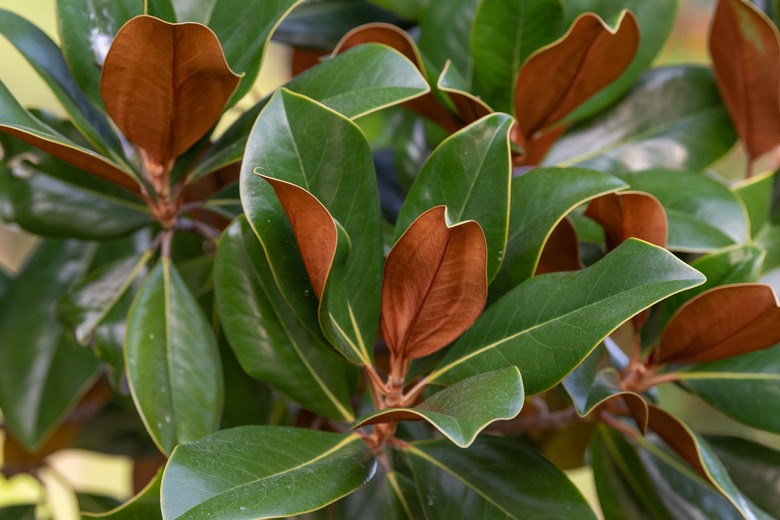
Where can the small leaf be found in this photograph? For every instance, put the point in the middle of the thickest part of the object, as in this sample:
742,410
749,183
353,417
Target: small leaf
434,285
547,325
629,214
185,84
146,505
746,60
464,409
720,323
255,472
557,79
172,363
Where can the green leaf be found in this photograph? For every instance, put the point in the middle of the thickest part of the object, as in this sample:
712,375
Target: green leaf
540,200
84,307
445,33
687,128
35,392
493,479
21,512
172,362
741,387
470,174
254,472
504,34
355,83
703,214
300,141
145,505
87,28
655,24
547,325
162,9
265,335
464,409
756,194
47,60
411,10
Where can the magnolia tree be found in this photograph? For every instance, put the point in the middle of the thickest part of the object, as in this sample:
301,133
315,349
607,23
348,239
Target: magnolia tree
455,255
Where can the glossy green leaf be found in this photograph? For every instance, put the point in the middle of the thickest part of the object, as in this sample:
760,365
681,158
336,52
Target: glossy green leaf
493,479
287,144
162,9
469,107
742,387
86,304
47,60
20,512
756,194
87,28
143,506
267,338
357,82
687,128
702,213
504,34
172,362
406,9
655,19
255,472
547,325
445,33
470,174
35,393
464,409
540,200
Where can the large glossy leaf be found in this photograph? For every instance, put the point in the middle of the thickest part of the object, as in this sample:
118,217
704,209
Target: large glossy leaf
445,33
145,505
47,60
547,325
300,141
184,90
255,472
746,60
743,387
172,362
494,479
687,128
703,214
655,25
504,34
540,200
354,83
470,173
35,392
464,409
265,335
756,194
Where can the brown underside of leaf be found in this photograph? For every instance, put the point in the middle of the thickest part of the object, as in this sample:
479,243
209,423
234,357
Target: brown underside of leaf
535,148
394,416
435,284
558,78
77,158
561,252
314,228
720,323
677,437
629,214
304,59
637,408
165,85
746,59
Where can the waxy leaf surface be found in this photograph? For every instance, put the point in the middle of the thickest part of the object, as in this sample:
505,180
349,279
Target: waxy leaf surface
629,214
464,409
165,85
172,362
547,325
445,33
255,472
756,194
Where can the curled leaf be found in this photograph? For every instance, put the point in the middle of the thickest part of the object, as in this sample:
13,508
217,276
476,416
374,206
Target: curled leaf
435,284
677,436
720,323
561,250
165,85
629,214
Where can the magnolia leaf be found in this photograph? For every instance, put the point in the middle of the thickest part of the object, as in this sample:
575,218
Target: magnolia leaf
629,214
720,323
493,479
434,285
558,78
253,472
470,107
464,409
172,363
547,325
146,504
561,251
186,83
470,173
445,34
746,60
756,194
162,9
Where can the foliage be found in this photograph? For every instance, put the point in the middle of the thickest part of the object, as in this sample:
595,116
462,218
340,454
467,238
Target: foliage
299,316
